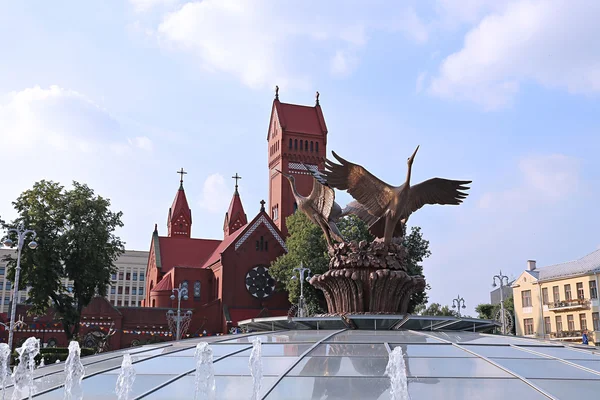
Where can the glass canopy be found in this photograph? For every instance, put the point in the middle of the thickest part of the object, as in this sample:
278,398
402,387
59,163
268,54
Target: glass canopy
348,364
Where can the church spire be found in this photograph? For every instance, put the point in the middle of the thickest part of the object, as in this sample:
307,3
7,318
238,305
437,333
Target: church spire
179,223
235,218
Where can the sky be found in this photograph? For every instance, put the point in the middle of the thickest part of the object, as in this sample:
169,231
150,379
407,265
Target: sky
121,94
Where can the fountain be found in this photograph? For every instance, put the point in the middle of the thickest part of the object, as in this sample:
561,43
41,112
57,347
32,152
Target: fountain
23,373
126,378
42,363
255,364
4,365
396,370
205,375
74,372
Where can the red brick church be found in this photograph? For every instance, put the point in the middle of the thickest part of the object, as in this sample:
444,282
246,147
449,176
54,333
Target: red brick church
227,279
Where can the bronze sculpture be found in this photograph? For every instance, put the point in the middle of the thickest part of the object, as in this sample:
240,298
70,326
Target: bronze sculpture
320,207
390,205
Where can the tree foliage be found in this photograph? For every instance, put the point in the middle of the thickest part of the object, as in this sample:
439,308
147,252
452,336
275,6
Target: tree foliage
306,243
489,311
436,309
76,242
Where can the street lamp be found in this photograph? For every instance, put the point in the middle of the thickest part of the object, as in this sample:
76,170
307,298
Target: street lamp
182,292
21,233
301,272
456,303
501,278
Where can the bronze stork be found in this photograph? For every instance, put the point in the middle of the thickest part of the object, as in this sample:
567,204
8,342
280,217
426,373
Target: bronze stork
320,207
390,205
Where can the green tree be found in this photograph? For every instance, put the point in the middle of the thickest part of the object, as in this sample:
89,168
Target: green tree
489,311
75,233
436,309
485,311
306,243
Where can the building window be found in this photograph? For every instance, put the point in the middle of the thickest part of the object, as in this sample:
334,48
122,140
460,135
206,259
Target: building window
113,290
135,276
197,289
113,277
1,285
128,276
547,325
528,323
580,294
568,295
301,145
120,276
8,285
559,326
141,276
127,290
555,294
6,301
290,144
570,323
306,145
593,290
296,144
120,290
140,290
133,290
317,147
582,322
266,245
545,298
2,270
275,213
596,321
311,146
526,298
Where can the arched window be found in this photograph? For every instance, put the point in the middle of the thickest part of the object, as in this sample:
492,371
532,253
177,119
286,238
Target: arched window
301,145
311,146
153,302
296,144
266,245
291,143
184,284
317,147
197,285
262,243
306,145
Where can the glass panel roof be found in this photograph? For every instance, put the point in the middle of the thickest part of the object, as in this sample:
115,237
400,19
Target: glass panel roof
346,364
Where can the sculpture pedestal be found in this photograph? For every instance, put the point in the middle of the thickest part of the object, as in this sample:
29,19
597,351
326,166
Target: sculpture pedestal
368,278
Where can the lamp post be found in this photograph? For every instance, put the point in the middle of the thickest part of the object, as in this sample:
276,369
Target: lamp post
501,278
301,272
456,303
21,233
182,292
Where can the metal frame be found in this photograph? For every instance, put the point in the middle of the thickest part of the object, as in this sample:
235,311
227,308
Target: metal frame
311,348
523,379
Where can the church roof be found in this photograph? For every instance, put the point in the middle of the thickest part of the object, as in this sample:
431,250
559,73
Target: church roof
216,254
180,205
185,252
164,284
235,218
585,265
300,119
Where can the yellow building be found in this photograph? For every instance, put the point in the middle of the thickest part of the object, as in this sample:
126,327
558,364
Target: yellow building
559,301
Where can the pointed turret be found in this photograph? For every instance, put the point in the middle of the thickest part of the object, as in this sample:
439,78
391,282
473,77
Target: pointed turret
179,223
235,218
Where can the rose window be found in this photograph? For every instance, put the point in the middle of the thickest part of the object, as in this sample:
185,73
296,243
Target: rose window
259,283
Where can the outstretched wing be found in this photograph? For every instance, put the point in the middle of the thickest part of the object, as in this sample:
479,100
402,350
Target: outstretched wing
366,188
322,198
376,225
437,191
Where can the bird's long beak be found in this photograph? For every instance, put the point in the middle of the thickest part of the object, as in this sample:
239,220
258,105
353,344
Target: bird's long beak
414,154
284,174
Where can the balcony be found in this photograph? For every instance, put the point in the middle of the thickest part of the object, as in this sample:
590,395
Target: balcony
570,335
567,305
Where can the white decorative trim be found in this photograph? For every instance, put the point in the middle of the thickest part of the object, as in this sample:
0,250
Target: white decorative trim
261,220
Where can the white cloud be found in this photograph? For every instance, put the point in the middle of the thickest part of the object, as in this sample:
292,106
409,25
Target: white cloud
551,43
267,42
215,194
142,142
59,119
542,179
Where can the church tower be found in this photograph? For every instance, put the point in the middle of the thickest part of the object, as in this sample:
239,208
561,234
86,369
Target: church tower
235,218
297,134
179,222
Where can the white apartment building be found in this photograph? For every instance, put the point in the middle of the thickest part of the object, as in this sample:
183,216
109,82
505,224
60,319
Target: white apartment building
127,285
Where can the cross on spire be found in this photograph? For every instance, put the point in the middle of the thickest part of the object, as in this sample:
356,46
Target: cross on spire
262,205
236,177
182,173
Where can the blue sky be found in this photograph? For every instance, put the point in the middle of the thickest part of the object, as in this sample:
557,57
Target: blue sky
121,94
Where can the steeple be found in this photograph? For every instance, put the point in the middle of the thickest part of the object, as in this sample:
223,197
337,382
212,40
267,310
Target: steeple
235,218
179,223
